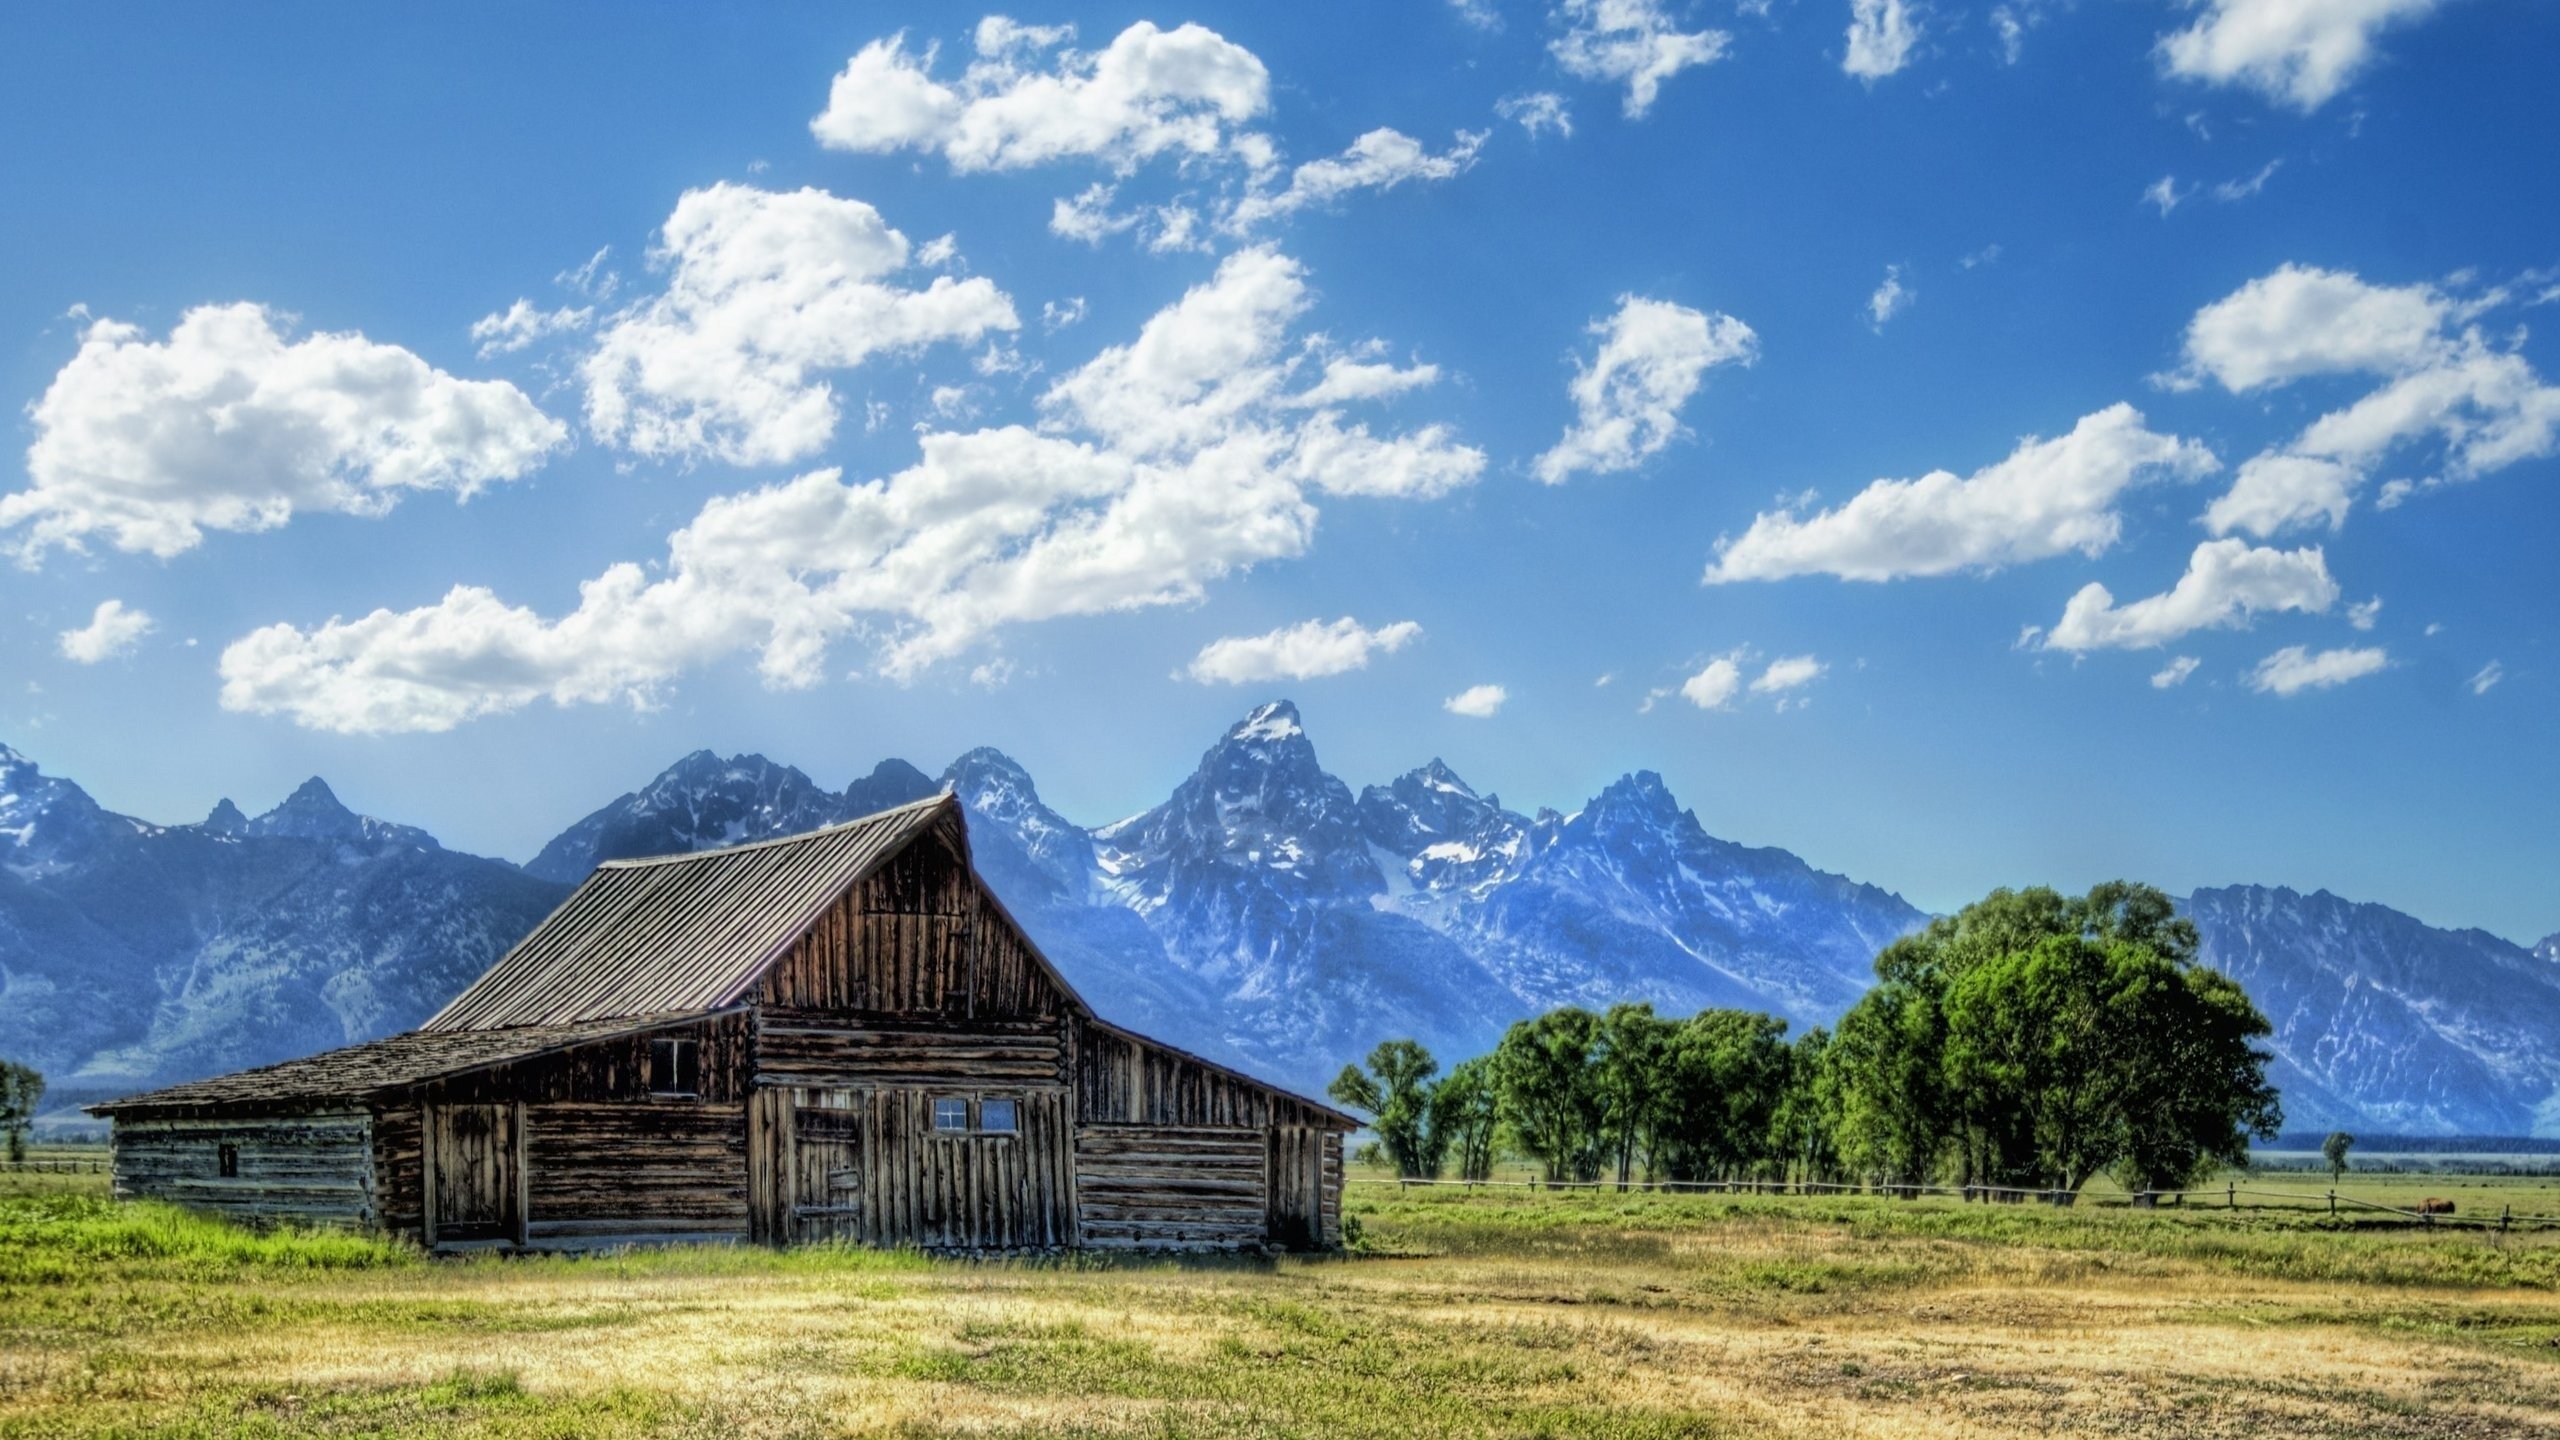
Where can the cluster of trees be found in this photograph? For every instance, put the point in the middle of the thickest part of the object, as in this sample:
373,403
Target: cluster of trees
20,1088
2033,1041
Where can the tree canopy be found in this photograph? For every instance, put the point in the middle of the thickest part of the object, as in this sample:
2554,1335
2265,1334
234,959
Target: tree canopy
21,1088
2032,1040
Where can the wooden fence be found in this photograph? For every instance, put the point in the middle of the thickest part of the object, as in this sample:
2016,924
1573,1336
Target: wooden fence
2233,1195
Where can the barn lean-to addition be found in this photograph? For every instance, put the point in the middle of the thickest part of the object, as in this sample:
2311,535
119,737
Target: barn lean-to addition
837,1035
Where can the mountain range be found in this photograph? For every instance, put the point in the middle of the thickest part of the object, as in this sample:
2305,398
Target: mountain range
1265,914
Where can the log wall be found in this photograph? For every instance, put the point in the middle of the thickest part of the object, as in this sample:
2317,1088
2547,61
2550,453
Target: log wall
815,1050
920,938
399,1170
1124,1080
620,1172
610,1069
1165,1187
1296,1171
866,1165
309,1169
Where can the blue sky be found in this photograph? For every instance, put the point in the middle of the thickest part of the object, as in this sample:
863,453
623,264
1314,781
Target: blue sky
1594,353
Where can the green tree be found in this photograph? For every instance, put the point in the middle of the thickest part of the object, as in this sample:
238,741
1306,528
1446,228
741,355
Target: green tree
2028,1032
1803,1129
1634,1098
1885,1084
1396,1091
2189,1079
1726,1071
2334,1150
1465,1117
1547,1082
20,1090
2033,1037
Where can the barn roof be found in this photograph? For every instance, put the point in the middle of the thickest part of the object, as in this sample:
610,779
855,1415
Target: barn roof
360,1071
680,932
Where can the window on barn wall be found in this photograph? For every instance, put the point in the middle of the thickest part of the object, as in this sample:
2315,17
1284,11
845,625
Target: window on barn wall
996,1117
226,1160
675,1068
950,1113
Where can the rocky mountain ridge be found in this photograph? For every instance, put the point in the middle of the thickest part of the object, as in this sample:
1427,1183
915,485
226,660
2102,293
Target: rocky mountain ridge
1265,914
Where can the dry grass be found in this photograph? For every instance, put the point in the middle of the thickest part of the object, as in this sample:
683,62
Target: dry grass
1520,1316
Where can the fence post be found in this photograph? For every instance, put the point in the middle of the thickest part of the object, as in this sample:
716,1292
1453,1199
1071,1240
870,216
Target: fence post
2505,1214
2333,1201
2231,1195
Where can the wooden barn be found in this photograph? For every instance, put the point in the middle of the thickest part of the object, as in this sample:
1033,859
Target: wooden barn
838,1035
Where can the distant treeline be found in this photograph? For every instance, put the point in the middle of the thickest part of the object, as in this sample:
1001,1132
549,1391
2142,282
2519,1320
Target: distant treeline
2368,1143
2032,1041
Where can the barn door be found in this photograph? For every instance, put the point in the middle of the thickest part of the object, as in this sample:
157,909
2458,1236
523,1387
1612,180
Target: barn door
826,1166
476,1154
1294,1171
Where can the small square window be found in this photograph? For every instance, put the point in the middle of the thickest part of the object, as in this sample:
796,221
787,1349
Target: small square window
675,1068
226,1160
996,1117
950,1113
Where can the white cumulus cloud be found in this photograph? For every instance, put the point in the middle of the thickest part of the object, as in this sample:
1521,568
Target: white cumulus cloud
1627,397
766,292
1892,297
113,629
1789,672
1379,160
229,424
2227,582
2175,673
2049,497
2441,380
2299,52
1715,684
1476,701
1537,112
2165,194
2297,668
1304,651
1634,43
1025,100
1724,680
504,332
2302,320
1157,467
1882,34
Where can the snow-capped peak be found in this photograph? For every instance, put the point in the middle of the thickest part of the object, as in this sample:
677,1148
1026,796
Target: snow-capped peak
1275,721
314,812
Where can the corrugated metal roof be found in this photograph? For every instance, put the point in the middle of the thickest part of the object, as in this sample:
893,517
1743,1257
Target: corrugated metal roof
680,932
359,1071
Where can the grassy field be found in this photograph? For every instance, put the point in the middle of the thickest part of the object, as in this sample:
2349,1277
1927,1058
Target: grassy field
1510,1314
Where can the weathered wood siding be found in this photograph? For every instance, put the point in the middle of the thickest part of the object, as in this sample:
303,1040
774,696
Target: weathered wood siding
920,938
1329,1229
475,1173
866,1165
399,1170
616,1068
601,1160
1192,1187
603,1173
1125,1080
817,1050
1296,1169
310,1169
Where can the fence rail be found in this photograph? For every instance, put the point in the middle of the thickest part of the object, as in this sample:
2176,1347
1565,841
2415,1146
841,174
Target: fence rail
2231,1195
54,1167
